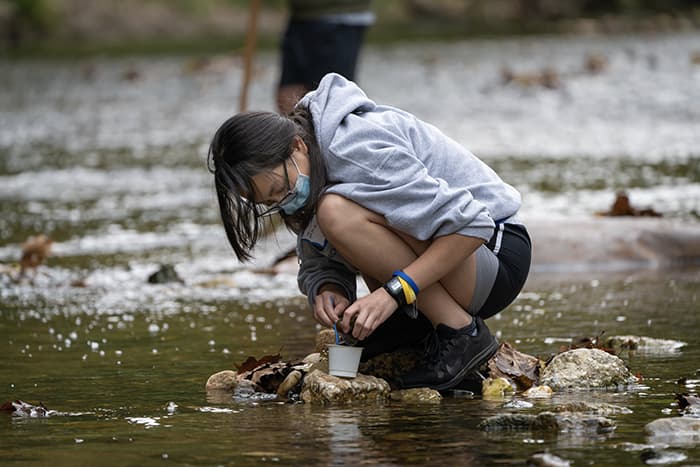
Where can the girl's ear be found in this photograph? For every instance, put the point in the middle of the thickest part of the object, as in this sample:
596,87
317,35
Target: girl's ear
300,145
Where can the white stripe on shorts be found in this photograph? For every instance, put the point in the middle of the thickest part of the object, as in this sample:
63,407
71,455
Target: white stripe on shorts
499,238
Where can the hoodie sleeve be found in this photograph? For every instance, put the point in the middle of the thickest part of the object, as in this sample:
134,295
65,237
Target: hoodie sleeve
318,267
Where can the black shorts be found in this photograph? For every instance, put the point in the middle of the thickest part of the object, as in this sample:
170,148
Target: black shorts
512,247
312,49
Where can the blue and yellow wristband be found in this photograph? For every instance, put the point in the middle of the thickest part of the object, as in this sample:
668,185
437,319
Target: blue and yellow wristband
404,290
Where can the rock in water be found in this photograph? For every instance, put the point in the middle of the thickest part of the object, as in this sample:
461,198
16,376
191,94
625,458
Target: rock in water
597,408
416,395
165,274
495,388
644,344
548,421
319,387
586,369
674,431
226,380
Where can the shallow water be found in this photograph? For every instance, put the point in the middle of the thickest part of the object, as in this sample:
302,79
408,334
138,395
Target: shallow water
114,171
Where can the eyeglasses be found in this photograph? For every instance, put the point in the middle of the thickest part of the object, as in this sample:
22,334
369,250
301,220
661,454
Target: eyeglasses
277,207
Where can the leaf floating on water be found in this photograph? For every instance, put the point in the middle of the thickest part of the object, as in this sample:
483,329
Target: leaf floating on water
252,363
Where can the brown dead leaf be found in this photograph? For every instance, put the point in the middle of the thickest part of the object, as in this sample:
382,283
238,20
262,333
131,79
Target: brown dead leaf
515,366
35,250
623,207
252,363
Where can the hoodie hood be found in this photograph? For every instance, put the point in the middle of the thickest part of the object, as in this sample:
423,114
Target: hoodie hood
329,104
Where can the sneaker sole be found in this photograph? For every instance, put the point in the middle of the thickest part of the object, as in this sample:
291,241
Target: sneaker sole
475,363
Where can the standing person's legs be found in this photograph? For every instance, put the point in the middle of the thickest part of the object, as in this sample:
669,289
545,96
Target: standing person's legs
312,49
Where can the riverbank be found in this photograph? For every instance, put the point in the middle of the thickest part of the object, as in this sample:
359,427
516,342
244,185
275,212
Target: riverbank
71,28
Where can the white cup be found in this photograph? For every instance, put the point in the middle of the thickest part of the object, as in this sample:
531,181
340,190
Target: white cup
343,360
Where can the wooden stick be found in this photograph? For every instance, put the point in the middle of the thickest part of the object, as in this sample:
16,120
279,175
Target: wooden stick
250,43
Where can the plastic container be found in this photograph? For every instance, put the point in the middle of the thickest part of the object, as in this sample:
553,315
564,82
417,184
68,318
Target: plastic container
343,360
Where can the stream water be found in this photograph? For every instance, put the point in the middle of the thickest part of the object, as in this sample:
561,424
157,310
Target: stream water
107,156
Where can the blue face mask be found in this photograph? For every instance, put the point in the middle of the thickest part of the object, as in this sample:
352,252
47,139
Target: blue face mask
300,193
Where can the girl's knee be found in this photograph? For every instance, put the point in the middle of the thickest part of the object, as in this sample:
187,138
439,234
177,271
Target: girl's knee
333,212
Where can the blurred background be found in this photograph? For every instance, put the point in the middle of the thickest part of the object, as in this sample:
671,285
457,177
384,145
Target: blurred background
119,294
88,26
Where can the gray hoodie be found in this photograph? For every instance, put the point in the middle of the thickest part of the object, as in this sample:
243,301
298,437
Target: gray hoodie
424,183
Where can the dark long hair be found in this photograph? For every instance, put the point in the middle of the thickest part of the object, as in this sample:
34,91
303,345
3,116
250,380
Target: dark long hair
251,143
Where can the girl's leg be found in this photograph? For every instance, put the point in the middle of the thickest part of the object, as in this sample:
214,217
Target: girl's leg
364,239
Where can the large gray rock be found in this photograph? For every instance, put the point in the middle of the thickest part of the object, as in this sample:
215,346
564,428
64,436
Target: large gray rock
586,369
320,387
548,421
674,431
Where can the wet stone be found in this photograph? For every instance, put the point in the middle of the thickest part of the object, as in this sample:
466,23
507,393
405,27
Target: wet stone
319,387
417,395
226,380
674,431
292,379
165,274
538,392
586,369
644,344
496,388
548,421
597,408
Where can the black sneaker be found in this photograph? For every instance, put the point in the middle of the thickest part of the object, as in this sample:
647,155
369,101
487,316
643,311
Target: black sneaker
454,354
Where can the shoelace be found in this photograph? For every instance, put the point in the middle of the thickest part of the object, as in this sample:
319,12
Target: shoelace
432,348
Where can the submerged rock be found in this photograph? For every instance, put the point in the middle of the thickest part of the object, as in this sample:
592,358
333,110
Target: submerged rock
416,395
548,421
319,387
598,408
586,369
674,431
644,344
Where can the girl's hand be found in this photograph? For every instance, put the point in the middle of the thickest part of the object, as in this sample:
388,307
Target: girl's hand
368,312
329,306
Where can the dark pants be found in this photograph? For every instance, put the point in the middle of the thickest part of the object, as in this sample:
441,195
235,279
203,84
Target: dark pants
312,49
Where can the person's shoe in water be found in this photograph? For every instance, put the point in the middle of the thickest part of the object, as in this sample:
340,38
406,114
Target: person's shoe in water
454,354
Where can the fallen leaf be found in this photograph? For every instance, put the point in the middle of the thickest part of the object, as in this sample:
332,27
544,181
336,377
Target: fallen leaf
515,366
35,250
252,363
